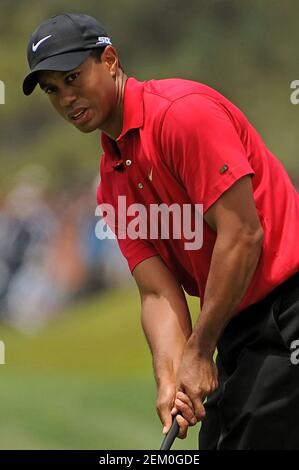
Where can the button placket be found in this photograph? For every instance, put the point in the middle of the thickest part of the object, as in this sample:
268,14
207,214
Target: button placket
128,162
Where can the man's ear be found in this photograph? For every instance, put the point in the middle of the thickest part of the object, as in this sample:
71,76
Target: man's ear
110,59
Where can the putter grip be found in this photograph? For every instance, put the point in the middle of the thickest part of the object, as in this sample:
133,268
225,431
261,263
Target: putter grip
171,435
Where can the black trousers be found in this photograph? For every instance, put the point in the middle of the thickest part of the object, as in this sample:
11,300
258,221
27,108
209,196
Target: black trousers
257,403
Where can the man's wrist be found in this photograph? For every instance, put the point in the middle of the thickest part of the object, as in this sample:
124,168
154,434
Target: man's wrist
207,331
165,380
202,344
166,365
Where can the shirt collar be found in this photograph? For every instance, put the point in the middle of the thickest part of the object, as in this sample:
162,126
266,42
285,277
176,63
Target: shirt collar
132,118
133,106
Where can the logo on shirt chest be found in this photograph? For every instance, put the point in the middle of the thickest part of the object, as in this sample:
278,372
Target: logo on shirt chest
150,174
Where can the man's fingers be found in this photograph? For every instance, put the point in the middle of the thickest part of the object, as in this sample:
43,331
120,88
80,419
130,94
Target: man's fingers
167,422
165,416
199,409
166,419
184,397
186,412
189,414
183,424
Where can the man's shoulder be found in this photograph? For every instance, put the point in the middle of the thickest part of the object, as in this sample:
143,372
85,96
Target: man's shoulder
172,89
181,99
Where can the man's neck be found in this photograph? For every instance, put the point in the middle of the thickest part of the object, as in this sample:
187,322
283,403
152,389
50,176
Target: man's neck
114,127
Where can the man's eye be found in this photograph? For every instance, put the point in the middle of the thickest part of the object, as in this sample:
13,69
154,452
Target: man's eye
72,77
48,90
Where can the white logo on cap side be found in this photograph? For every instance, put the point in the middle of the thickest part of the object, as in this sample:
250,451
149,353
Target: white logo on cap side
35,46
103,40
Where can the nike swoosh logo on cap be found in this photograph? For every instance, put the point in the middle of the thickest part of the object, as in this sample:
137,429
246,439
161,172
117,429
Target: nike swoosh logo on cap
35,46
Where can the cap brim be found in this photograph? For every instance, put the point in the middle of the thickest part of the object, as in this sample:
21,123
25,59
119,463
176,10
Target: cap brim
58,63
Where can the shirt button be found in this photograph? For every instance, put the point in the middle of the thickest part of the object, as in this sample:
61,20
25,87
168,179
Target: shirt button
140,186
128,162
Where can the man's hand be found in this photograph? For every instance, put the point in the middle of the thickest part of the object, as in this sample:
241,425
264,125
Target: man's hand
197,378
169,404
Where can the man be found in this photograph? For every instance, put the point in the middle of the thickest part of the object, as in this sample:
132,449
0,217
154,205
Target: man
181,142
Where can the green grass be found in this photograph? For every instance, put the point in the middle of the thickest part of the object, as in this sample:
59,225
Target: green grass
83,382
54,412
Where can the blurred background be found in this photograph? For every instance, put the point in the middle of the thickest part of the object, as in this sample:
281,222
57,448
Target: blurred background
78,372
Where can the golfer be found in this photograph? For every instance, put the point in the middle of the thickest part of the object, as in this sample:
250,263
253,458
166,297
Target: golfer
181,142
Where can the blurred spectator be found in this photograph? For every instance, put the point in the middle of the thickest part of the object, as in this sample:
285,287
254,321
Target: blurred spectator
49,253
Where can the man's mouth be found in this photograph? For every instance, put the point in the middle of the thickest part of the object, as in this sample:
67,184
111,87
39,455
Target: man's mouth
77,114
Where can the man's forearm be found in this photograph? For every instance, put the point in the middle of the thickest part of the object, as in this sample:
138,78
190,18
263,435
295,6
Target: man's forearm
231,270
167,325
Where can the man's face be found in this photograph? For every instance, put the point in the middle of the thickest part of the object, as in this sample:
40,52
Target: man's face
85,96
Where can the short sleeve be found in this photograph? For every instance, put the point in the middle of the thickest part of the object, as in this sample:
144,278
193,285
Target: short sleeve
201,143
136,251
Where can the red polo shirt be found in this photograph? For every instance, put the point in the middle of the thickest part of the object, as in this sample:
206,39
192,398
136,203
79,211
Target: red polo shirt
183,142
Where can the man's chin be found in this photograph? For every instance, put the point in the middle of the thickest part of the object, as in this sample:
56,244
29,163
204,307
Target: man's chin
87,128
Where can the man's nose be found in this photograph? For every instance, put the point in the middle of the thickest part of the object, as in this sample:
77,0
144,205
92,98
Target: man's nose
67,98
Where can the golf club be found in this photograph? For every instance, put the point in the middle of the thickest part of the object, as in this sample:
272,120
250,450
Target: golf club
171,435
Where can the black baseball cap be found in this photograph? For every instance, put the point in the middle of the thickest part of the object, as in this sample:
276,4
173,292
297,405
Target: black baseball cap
62,43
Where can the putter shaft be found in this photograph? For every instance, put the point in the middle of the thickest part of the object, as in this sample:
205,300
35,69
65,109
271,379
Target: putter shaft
171,435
